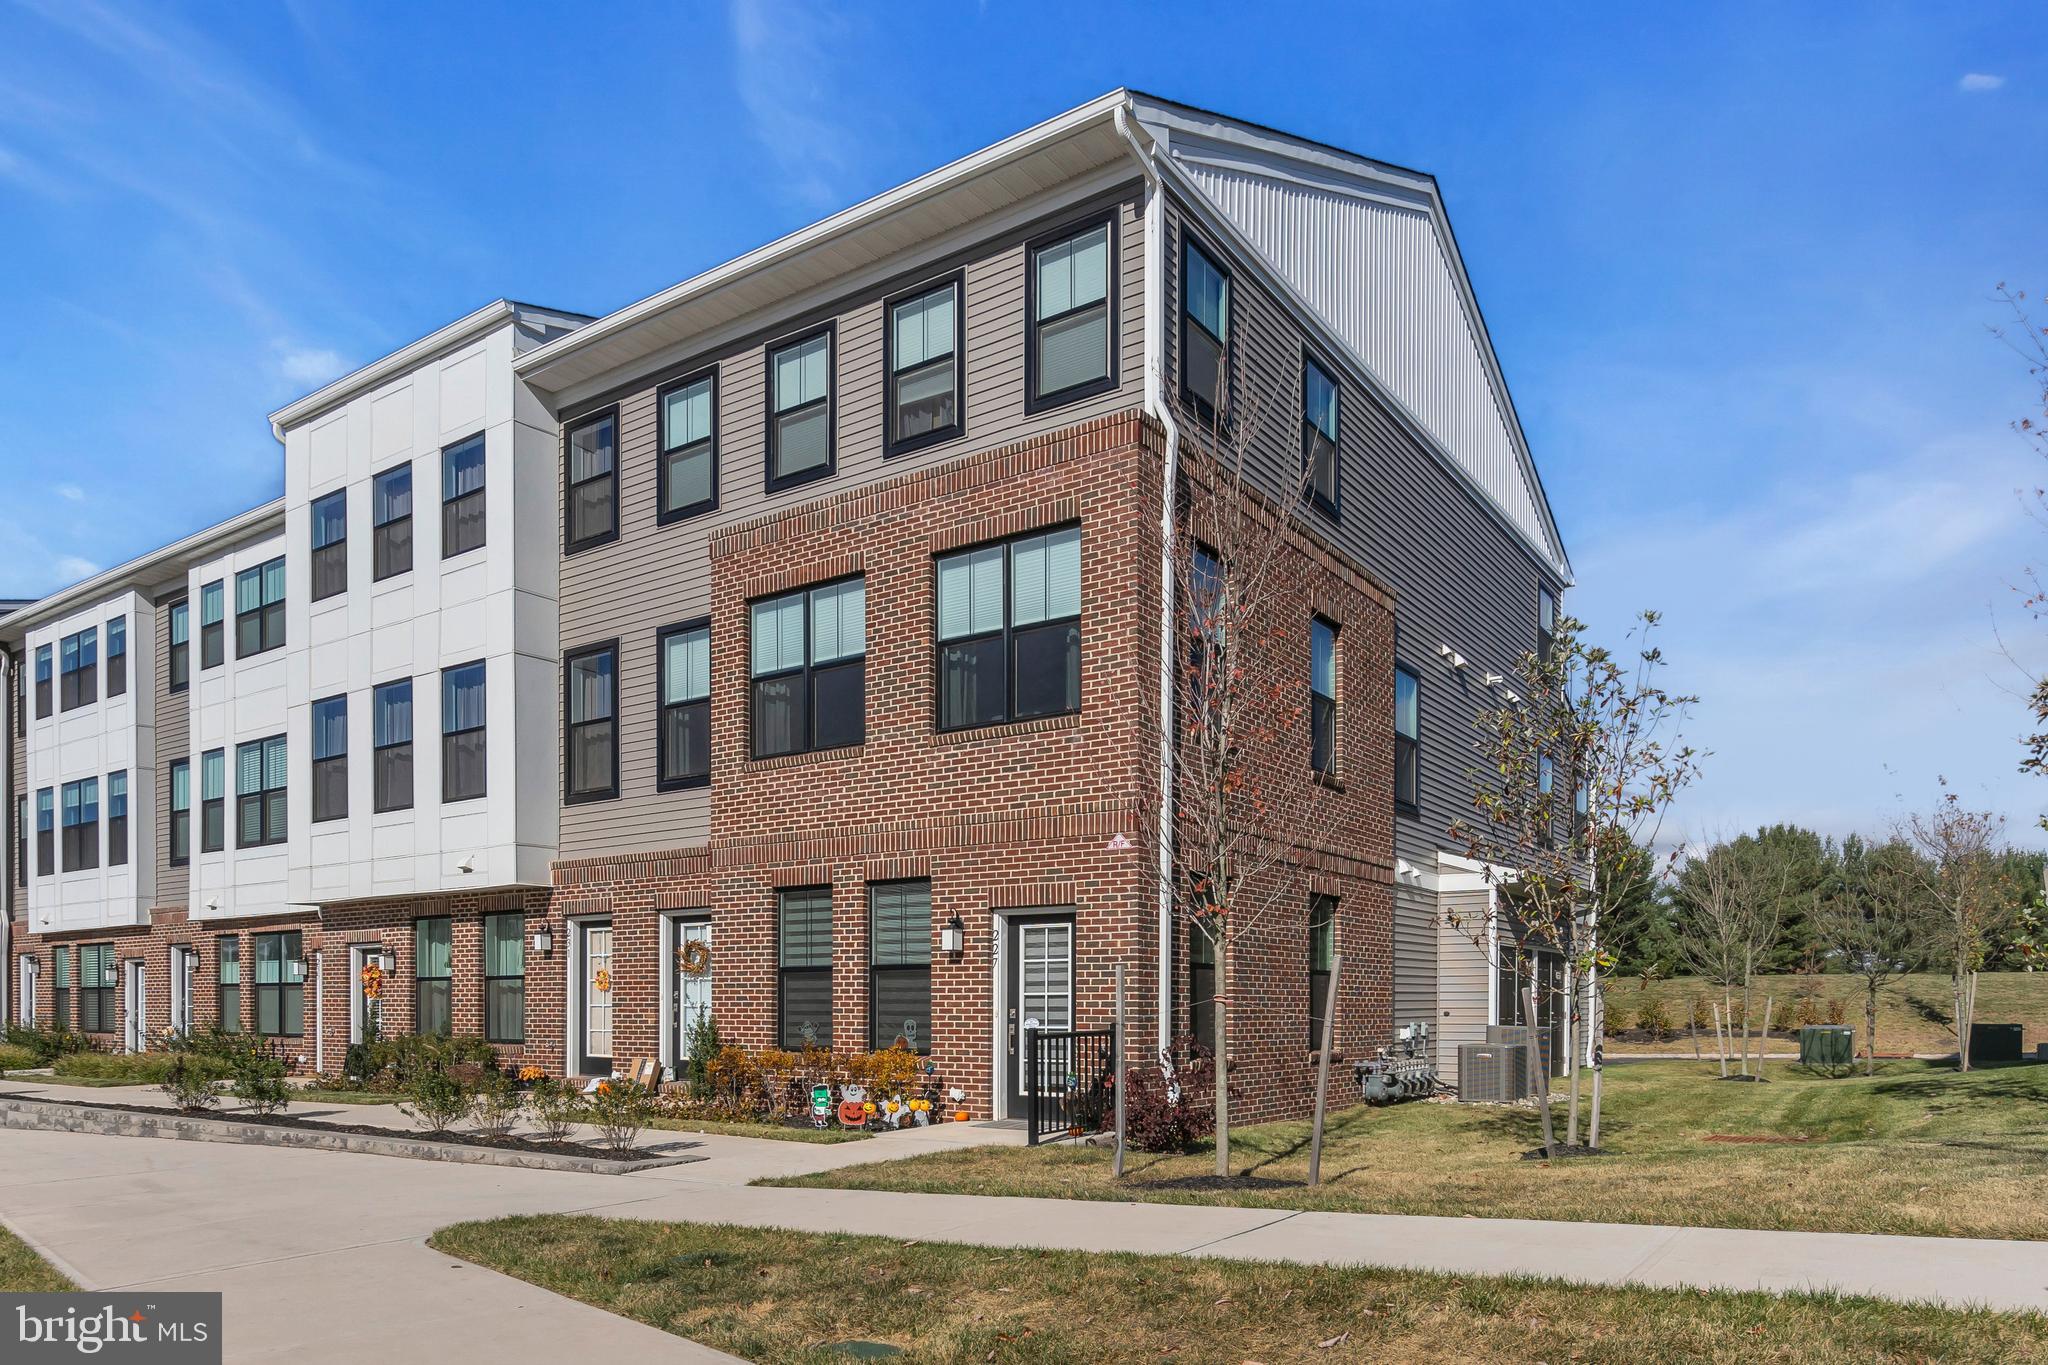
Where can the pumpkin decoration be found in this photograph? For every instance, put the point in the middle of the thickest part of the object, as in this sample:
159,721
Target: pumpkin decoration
694,957
602,981
853,1114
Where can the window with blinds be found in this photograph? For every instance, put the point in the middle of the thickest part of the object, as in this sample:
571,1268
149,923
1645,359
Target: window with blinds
1319,398
117,819
900,965
213,792
1009,625
433,967
391,523
259,608
1204,332
505,978
462,732
179,835
330,545
800,410
79,659
923,343
688,472
81,825
391,746
590,500
96,989
280,985
44,672
229,984
259,792
60,978
117,656
809,669
462,497
330,759
590,693
212,624
684,740
804,966
1070,349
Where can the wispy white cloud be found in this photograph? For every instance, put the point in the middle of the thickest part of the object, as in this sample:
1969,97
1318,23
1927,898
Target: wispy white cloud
784,71
70,492
308,365
69,569
1978,82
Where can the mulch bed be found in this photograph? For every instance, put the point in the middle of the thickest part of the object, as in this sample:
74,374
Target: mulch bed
504,1144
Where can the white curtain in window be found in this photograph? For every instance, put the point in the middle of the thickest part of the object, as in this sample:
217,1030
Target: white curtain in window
800,372
1045,573
273,581
778,633
971,593
330,728
590,687
462,699
590,450
839,624
686,672
391,496
1073,273
463,469
391,717
213,775
924,328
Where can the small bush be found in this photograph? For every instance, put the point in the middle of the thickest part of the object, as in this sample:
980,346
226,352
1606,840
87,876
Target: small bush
1615,1020
1171,1113
136,1068
48,1044
703,1048
558,1107
620,1109
15,1057
1838,1010
496,1106
391,1063
189,1081
1701,1012
258,1079
436,1097
1654,1018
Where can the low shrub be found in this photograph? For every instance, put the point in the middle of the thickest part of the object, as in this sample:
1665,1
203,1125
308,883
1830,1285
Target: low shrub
1615,1019
190,1081
620,1109
703,1048
1171,1110
15,1057
496,1106
1838,1010
258,1079
558,1106
391,1063
48,1044
437,1097
1654,1018
136,1068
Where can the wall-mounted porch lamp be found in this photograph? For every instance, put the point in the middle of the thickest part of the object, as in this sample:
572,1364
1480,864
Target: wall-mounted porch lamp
953,938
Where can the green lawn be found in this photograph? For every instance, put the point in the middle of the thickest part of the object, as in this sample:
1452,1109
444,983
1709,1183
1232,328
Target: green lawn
24,1272
1917,1149
780,1296
1913,1014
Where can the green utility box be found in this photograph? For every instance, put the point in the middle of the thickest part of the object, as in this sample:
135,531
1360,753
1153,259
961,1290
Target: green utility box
1828,1047
1993,1043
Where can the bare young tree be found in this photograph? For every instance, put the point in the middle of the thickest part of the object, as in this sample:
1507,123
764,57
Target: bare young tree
1872,921
1573,777
1249,803
1967,902
1732,896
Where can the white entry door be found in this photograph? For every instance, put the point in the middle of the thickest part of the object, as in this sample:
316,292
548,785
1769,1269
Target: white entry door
27,1011
138,1027
182,973
689,991
595,1045
364,1011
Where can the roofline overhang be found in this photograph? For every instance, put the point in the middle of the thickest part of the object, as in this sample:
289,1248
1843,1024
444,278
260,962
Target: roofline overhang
536,364
464,329
199,545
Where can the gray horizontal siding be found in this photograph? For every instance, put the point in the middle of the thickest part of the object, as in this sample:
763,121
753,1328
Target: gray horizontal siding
173,741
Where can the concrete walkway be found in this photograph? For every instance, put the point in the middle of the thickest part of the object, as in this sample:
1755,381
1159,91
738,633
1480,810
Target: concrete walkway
315,1249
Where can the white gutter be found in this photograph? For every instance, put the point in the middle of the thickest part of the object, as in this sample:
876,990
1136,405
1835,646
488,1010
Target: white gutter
1155,387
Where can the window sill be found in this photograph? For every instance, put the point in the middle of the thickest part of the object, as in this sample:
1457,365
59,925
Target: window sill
805,758
1003,730
1329,780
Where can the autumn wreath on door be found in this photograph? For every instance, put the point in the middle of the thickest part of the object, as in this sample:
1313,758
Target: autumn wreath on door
694,957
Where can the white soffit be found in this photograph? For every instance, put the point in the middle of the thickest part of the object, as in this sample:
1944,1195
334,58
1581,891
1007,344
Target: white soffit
1368,247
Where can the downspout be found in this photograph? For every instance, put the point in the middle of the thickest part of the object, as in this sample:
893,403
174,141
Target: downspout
1155,404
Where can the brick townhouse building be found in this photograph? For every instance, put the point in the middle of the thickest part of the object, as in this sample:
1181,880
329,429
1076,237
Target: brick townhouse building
811,611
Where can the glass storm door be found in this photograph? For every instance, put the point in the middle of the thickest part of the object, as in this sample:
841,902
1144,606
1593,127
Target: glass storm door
182,973
364,1010
597,999
689,992
138,1027
1041,984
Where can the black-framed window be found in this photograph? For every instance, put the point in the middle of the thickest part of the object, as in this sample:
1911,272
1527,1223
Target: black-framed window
391,523
590,720
259,608
46,832
96,988
922,344
212,624
330,758
260,792
433,969
117,656
391,746
330,545
684,740
590,482
463,776
78,683
60,989
1546,623
1546,792
179,835
1322,696
1009,627
804,966
228,951
462,497
44,671
800,400
1204,331
281,985
505,977
213,800
1322,951
117,819
82,824
688,469
1582,812
900,965
809,667
1407,738
1201,985
21,840
1070,342
1320,400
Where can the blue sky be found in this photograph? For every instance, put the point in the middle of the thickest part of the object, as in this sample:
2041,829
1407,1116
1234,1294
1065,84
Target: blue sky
1737,260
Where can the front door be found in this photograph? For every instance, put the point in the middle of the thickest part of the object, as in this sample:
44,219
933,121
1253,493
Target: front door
689,987
137,1027
181,989
27,1012
366,1009
595,1026
1039,980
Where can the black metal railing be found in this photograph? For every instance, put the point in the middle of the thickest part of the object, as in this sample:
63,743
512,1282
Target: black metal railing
1068,1079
